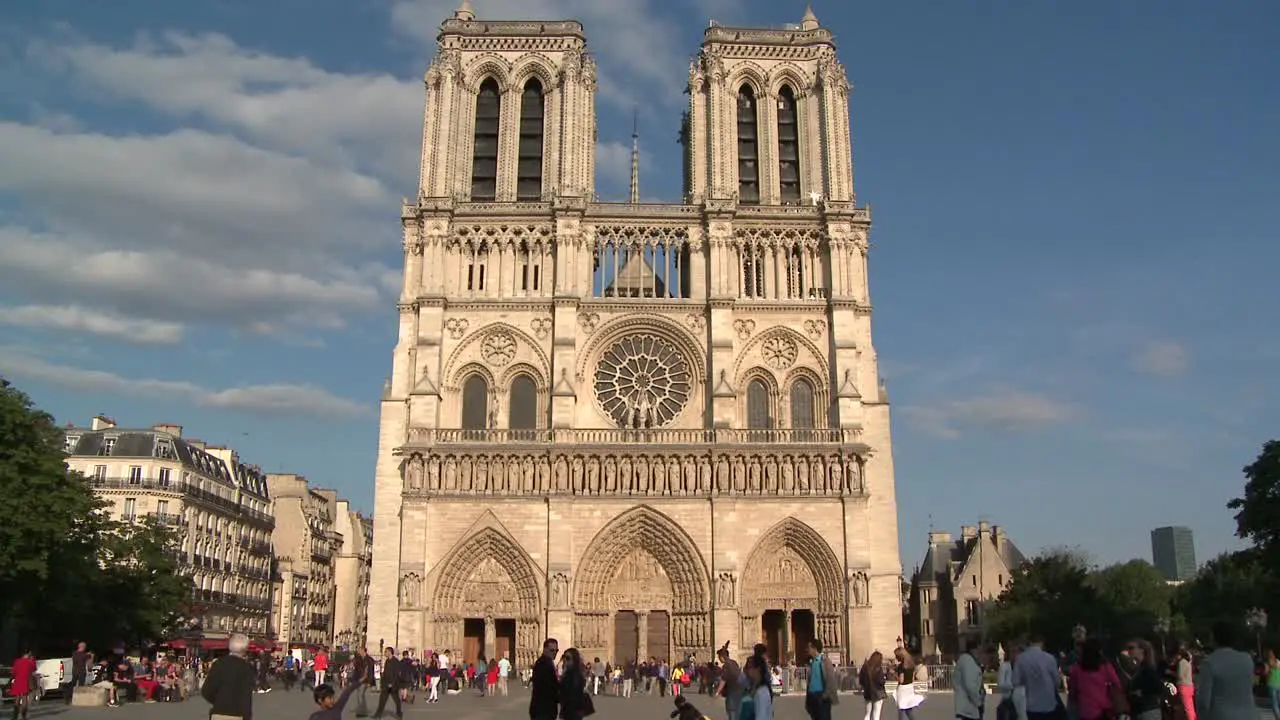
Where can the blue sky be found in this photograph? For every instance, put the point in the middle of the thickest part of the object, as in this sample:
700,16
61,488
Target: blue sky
1073,245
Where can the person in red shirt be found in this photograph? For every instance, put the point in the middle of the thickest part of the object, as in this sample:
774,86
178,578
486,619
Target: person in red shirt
321,666
24,676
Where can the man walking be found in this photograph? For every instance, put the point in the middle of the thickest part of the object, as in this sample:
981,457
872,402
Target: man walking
81,659
544,698
823,689
390,684
229,685
970,693
362,668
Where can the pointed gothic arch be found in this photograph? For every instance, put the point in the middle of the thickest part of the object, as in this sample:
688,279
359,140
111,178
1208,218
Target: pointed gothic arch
792,564
488,574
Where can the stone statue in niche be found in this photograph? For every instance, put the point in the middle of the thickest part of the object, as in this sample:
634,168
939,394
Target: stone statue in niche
482,475
433,473
498,474
410,590
860,585
723,482
578,475
526,467
610,476
659,478
739,475
817,477
852,475
593,475
673,476
450,474
724,590
704,475
413,473
802,477
788,475
544,475
624,476
836,483
466,474
561,475
753,476
771,475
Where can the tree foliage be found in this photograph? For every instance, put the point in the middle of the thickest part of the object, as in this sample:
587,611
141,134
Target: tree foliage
67,572
1258,510
1057,590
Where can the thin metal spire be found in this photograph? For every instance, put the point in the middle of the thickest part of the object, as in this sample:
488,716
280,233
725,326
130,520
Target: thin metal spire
635,157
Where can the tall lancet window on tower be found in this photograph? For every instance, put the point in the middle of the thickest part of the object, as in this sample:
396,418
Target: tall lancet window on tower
748,148
788,146
475,403
484,158
529,171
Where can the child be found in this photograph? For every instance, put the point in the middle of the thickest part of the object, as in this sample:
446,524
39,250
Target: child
331,707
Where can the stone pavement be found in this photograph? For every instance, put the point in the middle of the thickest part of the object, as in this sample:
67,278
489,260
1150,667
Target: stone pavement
279,705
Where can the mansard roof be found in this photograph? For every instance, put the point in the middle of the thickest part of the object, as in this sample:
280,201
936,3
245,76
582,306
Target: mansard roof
148,443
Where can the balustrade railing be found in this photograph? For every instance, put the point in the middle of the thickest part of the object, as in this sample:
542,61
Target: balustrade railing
429,437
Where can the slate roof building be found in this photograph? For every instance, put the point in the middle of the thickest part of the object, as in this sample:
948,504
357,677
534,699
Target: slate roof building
952,585
219,504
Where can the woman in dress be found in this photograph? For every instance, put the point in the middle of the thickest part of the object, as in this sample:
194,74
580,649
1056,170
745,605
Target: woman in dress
906,696
1093,684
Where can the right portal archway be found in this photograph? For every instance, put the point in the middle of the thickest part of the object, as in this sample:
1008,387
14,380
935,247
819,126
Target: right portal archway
793,590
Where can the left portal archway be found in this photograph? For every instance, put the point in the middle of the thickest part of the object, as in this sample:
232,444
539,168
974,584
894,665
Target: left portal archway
488,600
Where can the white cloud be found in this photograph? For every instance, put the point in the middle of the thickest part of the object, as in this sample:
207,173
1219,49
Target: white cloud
1163,358
1003,410
80,319
285,102
164,284
275,399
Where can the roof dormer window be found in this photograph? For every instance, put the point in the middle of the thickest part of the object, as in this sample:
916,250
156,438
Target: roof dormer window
108,446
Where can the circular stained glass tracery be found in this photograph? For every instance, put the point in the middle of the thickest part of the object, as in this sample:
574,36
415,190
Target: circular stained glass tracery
642,381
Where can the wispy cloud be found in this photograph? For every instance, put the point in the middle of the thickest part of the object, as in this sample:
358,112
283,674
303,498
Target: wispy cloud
1002,410
1163,358
272,399
105,324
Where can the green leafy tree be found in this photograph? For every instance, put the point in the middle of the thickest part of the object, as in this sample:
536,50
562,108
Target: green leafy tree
140,563
52,517
1226,588
1132,596
1258,510
1049,595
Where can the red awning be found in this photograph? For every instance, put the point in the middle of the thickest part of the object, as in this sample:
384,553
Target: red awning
203,644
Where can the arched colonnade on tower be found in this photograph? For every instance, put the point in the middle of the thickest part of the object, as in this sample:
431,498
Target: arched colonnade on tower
641,587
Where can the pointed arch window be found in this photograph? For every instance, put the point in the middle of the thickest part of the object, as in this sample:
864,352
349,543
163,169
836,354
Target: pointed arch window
803,416
475,403
484,158
524,404
758,415
529,168
788,146
748,148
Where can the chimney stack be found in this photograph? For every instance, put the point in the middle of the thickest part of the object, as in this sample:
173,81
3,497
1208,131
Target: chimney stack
174,430
101,422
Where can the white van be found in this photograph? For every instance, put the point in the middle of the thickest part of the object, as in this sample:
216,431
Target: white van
53,674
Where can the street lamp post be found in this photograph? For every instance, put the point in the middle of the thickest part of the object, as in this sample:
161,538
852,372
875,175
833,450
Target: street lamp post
1162,629
1256,619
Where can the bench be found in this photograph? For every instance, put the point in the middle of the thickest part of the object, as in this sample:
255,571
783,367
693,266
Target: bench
89,696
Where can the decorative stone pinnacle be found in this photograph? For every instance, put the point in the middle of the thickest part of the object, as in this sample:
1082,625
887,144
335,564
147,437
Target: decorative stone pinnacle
465,11
809,21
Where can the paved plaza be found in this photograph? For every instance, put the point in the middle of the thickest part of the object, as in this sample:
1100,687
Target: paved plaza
279,705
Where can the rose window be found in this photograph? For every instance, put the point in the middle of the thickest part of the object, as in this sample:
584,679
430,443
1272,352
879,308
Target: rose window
642,381
499,348
779,351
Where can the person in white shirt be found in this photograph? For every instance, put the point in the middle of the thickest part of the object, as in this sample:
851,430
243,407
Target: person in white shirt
1036,672
1224,685
504,670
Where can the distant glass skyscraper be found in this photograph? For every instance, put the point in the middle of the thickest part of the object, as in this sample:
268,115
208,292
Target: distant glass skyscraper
1173,552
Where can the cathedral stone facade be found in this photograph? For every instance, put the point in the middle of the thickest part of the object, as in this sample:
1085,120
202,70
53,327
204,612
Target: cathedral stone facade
643,429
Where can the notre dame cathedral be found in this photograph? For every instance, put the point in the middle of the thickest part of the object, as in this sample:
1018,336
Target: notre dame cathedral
643,429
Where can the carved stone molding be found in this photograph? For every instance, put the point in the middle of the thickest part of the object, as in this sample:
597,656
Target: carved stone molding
779,351
541,327
407,308
589,322
456,327
860,587
559,591
637,473
815,328
696,322
744,328
499,348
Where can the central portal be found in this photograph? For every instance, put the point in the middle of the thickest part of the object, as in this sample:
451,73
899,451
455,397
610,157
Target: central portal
640,635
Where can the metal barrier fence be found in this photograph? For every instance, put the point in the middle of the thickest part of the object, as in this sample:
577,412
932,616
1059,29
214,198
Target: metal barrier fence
935,678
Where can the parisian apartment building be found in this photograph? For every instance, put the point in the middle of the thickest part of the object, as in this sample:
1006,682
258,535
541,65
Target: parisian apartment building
956,580
323,557
269,556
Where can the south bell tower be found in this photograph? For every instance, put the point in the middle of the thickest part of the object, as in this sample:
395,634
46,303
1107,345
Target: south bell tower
644,429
